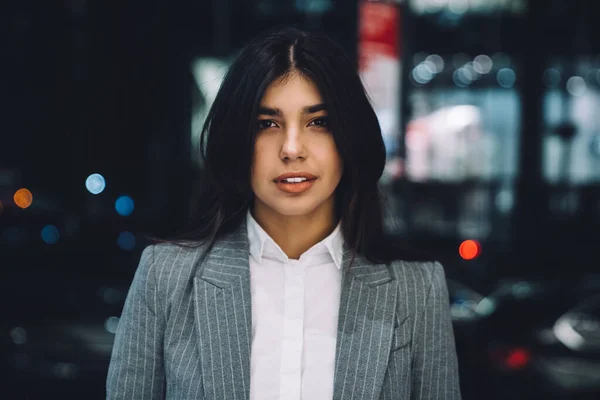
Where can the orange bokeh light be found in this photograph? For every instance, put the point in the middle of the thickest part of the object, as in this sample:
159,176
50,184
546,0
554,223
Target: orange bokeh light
1,208
23,198
469,249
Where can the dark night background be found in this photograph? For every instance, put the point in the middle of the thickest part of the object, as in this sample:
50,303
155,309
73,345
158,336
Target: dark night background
90,86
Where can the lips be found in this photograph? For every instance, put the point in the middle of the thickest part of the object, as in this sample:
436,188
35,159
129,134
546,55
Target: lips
298,174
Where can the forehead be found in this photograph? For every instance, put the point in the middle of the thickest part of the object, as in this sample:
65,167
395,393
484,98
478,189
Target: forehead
293,91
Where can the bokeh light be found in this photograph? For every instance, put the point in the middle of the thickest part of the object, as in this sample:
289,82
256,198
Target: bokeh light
423,72
126,240
111,324
576,86
1,208
551,77
506,78
469,72
469,249
437,61
23,198
483,64
517,358
505,200
95,183
486,306
18,335
50,234
460,79
419,57
458,7
124,205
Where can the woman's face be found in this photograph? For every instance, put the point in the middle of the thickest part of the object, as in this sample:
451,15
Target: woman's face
294,141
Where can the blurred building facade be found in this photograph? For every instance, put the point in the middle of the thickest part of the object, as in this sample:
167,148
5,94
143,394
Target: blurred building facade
489,115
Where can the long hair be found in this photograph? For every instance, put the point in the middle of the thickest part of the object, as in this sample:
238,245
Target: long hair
228,136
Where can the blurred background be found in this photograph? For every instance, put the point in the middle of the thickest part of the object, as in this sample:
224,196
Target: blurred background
490,111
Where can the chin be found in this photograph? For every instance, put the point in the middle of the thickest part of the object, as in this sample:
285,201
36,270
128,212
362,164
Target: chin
293,207
294,210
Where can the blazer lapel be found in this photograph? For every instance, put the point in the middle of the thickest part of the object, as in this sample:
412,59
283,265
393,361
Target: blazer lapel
224,317
365,328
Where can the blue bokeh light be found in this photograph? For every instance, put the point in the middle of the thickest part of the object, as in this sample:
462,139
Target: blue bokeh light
95,183
506,78
50,234
126,240
124,205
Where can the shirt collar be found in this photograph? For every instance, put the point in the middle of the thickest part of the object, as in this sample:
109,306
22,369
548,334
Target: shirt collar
257,237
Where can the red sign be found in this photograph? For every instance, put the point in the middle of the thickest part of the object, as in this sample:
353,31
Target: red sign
379,31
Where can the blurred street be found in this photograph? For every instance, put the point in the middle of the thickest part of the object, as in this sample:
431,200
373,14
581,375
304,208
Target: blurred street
490,111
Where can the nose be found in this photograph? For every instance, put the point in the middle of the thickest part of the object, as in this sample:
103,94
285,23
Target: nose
292,148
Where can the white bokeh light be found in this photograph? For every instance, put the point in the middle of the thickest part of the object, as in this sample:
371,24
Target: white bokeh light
437,61
483,64
460,79
458,7
423,73
576,86
95,183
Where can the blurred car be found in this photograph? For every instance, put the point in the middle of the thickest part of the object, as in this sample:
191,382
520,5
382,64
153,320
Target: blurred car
529,340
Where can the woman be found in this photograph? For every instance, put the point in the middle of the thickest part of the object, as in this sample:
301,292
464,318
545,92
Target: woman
287,289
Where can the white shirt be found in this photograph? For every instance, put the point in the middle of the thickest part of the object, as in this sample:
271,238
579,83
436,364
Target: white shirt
295,306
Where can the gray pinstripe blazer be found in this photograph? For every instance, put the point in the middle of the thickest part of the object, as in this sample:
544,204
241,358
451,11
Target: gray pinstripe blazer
185,330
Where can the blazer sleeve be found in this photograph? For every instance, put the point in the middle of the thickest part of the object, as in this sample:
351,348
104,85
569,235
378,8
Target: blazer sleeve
136,365
435,364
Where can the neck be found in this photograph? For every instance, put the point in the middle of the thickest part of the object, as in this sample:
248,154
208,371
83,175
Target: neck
297,233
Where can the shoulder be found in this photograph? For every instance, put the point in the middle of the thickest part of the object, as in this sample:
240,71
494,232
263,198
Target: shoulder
419,278
161,262
168,255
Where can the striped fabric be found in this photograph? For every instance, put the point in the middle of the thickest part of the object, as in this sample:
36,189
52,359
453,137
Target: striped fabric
185,330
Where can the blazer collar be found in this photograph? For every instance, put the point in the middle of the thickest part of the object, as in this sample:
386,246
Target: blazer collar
223,316
333,244
228,261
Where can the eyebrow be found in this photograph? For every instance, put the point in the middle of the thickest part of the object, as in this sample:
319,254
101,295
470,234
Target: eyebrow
305,110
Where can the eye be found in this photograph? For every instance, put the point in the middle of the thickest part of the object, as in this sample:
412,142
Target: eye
265,124
322,122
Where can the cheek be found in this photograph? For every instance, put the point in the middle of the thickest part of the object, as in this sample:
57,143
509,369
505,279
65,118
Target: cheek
258,168
261,148
340,167
332,159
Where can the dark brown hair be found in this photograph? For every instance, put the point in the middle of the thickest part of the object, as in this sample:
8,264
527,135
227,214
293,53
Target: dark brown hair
228,137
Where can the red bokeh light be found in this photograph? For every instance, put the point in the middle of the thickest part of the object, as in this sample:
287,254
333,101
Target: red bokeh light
517,358
469,249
